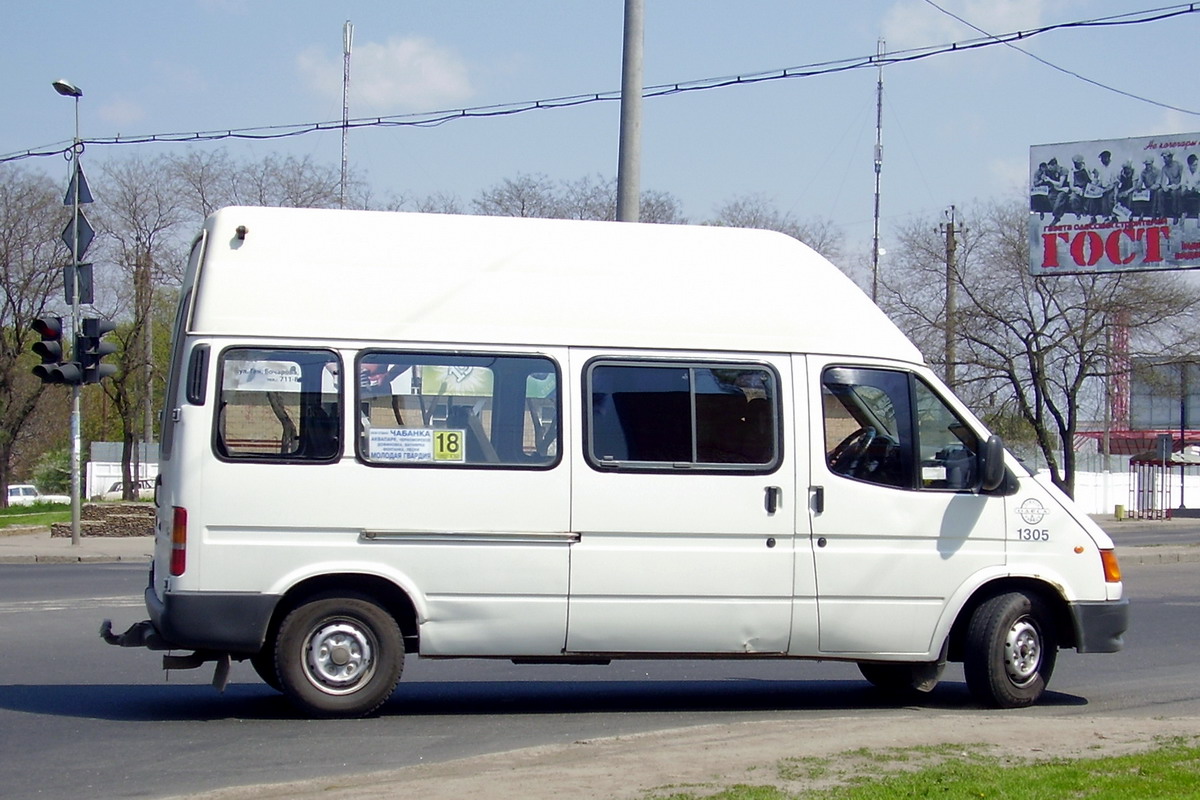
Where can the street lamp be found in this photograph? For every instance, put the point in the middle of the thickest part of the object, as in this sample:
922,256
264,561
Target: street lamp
68,89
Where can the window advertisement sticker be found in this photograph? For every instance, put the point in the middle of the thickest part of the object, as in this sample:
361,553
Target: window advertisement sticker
457,381
417,445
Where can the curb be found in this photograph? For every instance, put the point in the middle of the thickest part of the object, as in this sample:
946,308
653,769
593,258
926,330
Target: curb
82,558
1177,554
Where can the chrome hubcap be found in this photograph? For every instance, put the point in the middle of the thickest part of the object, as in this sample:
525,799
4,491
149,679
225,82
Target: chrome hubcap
339,657
1022,652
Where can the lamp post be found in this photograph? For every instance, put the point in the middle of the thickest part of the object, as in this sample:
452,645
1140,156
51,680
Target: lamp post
67,89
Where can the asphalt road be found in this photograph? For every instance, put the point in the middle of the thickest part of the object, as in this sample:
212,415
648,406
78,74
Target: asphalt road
1152,533
80,718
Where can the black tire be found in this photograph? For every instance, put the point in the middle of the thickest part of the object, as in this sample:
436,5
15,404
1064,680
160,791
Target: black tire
264,664
1010,651
339,656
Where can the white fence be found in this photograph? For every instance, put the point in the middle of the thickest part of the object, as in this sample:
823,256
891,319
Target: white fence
103,474
1101,492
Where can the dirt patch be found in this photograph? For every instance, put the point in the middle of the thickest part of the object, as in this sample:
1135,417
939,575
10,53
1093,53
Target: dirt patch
794,755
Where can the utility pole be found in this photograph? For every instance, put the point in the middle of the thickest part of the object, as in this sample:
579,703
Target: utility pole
878,169
1183,423
629,157
145,295
951,232
347,41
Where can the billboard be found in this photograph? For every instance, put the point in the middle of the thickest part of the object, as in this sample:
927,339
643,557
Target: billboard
1115,205
1165,395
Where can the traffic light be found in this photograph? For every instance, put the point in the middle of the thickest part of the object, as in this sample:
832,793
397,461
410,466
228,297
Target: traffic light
89,349
50,347
50,350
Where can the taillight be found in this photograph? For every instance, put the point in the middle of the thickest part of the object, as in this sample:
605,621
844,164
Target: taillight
179,542
1112,570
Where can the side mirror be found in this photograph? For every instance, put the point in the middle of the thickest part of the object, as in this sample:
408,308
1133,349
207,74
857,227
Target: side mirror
991,464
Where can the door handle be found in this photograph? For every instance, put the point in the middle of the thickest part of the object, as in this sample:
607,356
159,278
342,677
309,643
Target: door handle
774,497
816,500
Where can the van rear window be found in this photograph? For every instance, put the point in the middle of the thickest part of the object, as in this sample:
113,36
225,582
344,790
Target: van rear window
278,405
464,410
714,417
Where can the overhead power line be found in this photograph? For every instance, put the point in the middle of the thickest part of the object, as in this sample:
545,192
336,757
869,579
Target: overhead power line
436,118
1056,67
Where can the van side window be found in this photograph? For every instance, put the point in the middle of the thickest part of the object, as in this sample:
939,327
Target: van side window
446,410
948,445
278,405
167,424
713,417
888,427
868,428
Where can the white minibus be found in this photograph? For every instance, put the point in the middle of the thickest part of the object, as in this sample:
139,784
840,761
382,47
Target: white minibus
390,434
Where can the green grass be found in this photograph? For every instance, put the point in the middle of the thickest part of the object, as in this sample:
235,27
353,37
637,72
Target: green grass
1168,770
737,792
38,514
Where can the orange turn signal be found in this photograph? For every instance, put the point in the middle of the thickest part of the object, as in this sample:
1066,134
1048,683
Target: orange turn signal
1112,570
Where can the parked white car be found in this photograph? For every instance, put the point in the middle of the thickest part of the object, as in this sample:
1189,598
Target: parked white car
26,494
145,490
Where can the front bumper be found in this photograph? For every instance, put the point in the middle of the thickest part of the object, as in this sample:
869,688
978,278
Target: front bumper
1100,626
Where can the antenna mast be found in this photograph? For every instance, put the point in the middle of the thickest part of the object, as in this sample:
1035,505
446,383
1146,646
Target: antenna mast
878,168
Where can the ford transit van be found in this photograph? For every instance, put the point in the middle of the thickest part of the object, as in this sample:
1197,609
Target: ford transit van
390,434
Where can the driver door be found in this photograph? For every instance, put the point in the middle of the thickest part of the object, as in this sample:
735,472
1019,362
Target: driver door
902,522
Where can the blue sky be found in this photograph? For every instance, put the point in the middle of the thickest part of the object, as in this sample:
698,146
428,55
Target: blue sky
956,128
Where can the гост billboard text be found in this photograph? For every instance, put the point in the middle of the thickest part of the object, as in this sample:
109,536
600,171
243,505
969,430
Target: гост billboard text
1115,205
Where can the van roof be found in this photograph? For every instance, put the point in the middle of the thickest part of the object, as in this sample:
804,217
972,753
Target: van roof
439,278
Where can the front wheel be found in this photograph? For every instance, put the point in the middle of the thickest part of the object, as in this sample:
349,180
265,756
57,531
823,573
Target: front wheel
1010,651
339,656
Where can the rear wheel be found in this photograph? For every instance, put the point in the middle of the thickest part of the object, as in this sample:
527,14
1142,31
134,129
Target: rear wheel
264,664
1010,652
339,656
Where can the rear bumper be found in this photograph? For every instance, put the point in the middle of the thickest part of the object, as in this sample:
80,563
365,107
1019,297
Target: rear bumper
223,622
1100,626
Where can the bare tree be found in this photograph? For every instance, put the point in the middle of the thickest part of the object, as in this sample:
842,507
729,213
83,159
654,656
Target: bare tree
31,261
143,219
206,179
210,180
756,211
1034,349
588,198
523,196
593,198
662,208
436,203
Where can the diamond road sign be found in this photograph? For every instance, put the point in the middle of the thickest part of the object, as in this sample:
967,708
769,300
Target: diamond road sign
86,234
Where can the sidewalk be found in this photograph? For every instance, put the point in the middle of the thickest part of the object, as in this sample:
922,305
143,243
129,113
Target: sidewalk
37,547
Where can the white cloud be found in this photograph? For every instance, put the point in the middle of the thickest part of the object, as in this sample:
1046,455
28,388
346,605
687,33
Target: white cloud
121,113
916,23
1170,121
404,73
1010,175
